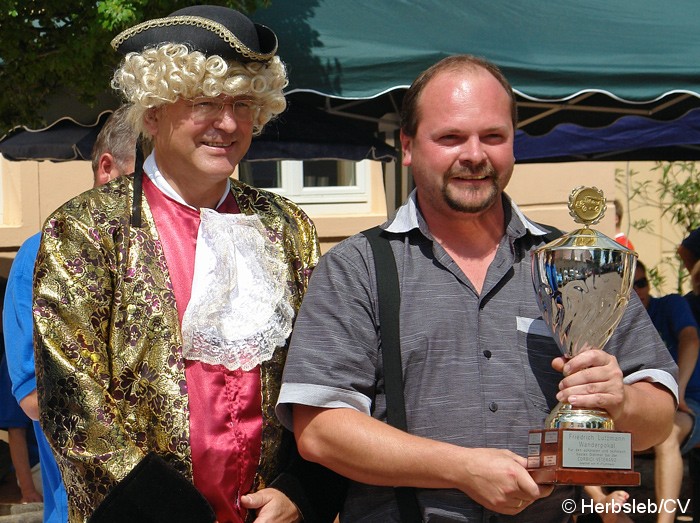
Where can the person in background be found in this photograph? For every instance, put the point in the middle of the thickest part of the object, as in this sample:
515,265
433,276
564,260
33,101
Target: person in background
112,156
689,249
673,319
480,368
693,296
620,236
24,452
693,299
163,301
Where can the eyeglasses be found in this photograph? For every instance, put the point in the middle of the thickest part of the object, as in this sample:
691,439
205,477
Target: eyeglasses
641,283
204,109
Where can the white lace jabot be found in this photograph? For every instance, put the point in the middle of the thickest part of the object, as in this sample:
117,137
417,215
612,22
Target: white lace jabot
239,310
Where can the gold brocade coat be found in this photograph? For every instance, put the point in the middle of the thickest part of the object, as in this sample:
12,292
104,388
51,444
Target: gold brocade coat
108,346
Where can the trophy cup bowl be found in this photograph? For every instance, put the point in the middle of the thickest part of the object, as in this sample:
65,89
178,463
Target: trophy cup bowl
582,284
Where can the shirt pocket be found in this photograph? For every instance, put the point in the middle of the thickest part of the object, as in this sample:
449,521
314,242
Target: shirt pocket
538,349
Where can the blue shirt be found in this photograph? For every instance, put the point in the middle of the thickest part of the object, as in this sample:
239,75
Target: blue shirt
18,328
12,416
671,314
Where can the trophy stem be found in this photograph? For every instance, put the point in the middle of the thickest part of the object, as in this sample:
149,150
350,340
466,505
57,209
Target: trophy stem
566,416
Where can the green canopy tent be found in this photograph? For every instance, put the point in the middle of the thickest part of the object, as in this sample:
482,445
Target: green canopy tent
569,61
588,64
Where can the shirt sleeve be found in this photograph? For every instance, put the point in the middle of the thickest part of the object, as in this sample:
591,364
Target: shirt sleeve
332,360
17,320
73,292
11,415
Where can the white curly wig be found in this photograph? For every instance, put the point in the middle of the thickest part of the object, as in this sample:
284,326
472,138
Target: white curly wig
162,74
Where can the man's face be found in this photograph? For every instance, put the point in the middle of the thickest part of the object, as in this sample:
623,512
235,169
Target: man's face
462,153
189,147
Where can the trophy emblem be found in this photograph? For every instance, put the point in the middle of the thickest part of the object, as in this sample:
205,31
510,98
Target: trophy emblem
582,283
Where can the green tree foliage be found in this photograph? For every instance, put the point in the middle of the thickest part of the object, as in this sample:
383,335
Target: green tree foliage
676,193
49,47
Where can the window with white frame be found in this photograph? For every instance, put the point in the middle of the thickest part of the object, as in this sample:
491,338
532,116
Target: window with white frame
319,186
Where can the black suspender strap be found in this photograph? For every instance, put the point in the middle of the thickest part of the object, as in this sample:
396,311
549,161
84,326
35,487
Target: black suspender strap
389,304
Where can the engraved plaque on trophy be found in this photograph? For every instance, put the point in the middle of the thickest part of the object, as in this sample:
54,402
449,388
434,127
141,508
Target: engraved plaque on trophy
582,282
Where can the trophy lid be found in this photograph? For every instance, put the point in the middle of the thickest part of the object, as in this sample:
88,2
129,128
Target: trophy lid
586,238
587,206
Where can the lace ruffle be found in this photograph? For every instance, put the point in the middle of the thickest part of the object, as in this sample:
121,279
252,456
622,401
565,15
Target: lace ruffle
239,310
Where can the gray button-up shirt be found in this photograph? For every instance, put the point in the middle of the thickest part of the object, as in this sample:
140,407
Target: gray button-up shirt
477,367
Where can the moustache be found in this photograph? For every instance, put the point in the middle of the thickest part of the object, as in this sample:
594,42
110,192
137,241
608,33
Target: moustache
480,170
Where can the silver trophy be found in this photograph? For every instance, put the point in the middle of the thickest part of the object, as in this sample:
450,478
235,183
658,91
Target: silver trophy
582,282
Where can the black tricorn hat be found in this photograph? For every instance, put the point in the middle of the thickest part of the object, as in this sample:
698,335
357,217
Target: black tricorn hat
210,29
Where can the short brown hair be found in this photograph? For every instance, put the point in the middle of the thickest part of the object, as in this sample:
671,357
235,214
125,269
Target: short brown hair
409,108
116,137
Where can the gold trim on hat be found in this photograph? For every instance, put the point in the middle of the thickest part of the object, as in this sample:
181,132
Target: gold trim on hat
196,21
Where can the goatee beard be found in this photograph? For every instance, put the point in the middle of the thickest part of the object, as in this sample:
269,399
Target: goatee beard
472,206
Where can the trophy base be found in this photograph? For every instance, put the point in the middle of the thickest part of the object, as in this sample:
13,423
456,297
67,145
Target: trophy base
581,457
584,477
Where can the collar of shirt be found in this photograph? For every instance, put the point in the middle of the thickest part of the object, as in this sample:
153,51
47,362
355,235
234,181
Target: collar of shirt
154,174
409,217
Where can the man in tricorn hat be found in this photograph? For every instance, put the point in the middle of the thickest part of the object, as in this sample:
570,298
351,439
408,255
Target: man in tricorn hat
163,301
